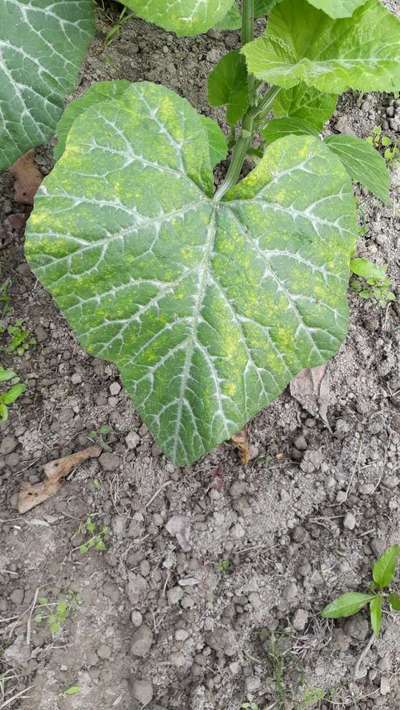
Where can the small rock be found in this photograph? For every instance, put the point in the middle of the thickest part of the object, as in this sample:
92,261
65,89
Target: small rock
367,489
385,686
357,628
300,443
104,651
142,641
76,378
349,521
179,526
136,588
17,596
175,595
391,482
343,126
300,619
312,461
142,690
234,668
115,388
237,531
255,600
253,684
181,635
136,618
222,641
109,462
132,440
8,444
118,524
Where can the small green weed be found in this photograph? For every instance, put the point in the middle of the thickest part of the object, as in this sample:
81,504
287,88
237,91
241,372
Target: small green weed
371,281
378,595
99,436
5,301
73,690
249,706
11,394
19,338
118,24
311,697
96,537
383,142
224,566
55,614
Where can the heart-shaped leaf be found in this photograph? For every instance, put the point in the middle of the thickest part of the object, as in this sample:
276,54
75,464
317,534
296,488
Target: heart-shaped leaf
337,8
384,569
184,17
363,163
346,605
301,43
228,86
208,307
42,45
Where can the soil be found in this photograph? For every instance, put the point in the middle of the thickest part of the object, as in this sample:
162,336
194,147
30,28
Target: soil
208,593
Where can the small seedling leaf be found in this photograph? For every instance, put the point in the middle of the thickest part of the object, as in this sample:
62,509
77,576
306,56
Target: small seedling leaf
375,609
6,375
384,569
13,393
73,690
367,269
363,163
346,605
394,601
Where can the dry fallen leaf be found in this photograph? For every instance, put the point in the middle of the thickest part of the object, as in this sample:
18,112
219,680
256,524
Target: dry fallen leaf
55,471
241,441
311,388
27,178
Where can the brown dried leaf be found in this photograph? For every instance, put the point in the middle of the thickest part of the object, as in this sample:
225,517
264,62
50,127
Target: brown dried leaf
241,441
55,471
27,178
311,388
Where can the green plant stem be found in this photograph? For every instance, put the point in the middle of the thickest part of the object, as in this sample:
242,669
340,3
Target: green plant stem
241,149
248,36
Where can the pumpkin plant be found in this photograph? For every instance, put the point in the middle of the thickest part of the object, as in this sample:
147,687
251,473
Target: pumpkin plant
209,300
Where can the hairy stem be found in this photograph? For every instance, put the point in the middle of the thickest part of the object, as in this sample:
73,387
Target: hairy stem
241,149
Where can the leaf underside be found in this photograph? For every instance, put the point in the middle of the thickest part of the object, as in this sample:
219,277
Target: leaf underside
337,8
208,308
303,44
42,45
184,17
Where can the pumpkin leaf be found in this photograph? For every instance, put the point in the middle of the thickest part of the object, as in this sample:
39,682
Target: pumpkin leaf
216,141
363,163
347,604
302,44
184,17
305,103
280,127
228,85
208,307
42,45
231,21
337,8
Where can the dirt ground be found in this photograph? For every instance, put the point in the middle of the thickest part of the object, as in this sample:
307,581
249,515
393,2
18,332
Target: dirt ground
208,594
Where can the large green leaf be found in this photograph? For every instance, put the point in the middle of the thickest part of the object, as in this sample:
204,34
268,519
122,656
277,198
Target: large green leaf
363,163
231,21
228,86
207,307
42,45
185,17
303,44
305,104
337,8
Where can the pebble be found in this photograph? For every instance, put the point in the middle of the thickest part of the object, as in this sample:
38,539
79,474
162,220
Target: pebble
17,596
136,618
357,628
109,462
300,619
349,521
300,443
253,684
8,444
175,595
181,635
118,525
76,378
132,440
115,388
104,652
391,482
367,489
136,588
142,690
385,686
142,641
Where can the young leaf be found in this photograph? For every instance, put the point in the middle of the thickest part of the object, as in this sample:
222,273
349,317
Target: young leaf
301,43
375,609
367,269
13,393
3,412
216,141
184,17
102,91
42,45
304,103
384,569
231,21
208,307
394,601
346,605
363,163
6,375
337,8
280,127
264,7
228,85
73,690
